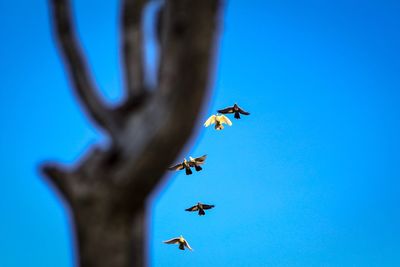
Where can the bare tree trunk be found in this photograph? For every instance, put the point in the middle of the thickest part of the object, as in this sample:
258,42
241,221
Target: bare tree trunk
108,188
113,240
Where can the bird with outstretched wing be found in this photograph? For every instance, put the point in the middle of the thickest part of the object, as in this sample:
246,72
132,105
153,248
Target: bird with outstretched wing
234,109
179,240
218,120
200,207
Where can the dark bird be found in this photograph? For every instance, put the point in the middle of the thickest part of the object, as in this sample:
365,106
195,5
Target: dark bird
218,120
200,207
235,109
196,162
187,165
179,240
184,165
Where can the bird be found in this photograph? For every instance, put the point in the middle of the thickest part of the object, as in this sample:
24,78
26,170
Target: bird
179,240
218,120
184,165
188,164
200,207
234,109
196,162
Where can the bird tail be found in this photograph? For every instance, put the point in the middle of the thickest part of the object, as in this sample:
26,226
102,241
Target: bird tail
181,246
237,115
201,212
219,127
188,171
198,168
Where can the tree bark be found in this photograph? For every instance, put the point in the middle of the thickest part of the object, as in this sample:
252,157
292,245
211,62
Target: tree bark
107,190
111,239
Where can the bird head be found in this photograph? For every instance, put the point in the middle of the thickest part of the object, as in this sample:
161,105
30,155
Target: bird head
191,159
181,238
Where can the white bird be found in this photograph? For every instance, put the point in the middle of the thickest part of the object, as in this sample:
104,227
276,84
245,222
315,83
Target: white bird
179,240
218,120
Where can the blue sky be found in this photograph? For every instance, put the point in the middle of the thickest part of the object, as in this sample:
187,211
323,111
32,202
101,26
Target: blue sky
311,178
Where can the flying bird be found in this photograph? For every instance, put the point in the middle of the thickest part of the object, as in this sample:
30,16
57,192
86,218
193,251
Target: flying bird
188,164
235,109
179,240
184,165
218,120
200,207
196,162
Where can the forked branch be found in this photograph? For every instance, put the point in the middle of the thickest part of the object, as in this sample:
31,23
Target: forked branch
76,65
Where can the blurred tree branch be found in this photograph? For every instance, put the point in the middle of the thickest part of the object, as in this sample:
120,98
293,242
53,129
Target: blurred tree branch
108,188
77,66
132,46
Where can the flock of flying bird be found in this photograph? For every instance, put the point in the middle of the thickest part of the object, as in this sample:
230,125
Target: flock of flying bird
195,163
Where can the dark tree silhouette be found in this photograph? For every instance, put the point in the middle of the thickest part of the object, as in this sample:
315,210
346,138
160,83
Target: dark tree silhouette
107,190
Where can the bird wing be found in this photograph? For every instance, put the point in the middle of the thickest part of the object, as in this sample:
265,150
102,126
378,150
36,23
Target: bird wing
177,167
226,110
224,119
207,207
187,245
200,160
210,120
172,241
194,208
241,111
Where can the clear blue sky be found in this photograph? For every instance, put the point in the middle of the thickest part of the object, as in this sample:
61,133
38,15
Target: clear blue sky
311,178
